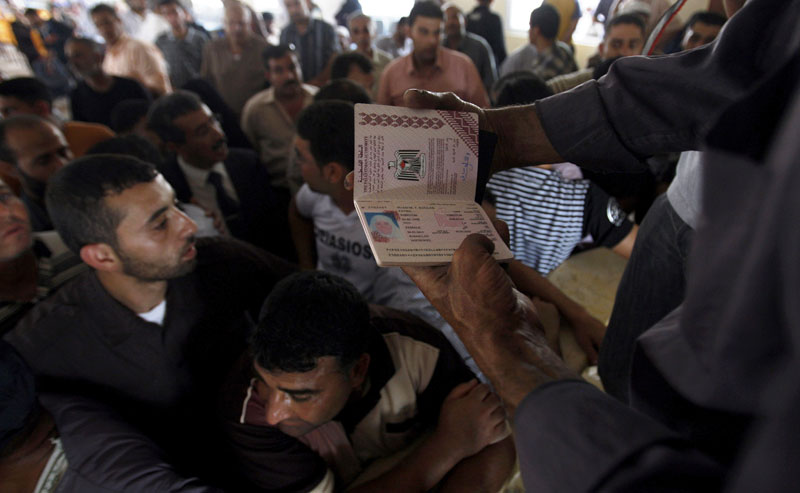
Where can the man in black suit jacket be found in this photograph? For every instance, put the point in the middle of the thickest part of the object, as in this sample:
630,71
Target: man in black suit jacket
230,183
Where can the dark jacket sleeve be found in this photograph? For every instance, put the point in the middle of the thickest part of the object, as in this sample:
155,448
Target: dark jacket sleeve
571,437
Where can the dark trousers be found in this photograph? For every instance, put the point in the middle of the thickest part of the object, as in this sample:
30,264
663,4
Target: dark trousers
652,285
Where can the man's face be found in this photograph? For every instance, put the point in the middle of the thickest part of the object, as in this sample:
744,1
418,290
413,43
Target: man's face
426,34
622,40
34,19
108,25
699,34
285,75
297,10
364,79
454,22
15,226
175,15
309,170
360,34
237,24
297,403
204,141
10,106
155,239
83,59
41,151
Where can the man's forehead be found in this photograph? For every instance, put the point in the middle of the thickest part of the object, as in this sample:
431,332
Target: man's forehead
327,368
35,138
139,202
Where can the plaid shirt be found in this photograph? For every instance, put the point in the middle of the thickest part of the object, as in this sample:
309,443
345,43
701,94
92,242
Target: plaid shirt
557,60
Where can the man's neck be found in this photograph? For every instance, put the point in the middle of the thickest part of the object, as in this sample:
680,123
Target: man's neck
180,32
139,296
369,53
198,165
18,278
453,42
302,25
542,44
423,68
235,46
100,81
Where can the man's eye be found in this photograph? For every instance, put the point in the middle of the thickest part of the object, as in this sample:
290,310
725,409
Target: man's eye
301,398
162,224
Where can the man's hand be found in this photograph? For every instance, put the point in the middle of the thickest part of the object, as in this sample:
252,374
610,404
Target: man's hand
589,333
471,418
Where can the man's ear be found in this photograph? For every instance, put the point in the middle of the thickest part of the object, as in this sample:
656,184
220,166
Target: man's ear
358,372
100,256
601,48
334,172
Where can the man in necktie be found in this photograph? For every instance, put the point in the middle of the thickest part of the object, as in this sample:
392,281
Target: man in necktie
228,182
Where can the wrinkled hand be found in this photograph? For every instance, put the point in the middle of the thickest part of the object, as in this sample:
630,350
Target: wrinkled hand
471,418
421,99
589,333
219,223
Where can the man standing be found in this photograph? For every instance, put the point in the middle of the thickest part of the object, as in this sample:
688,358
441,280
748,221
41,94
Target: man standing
431,66
97,93
362,34
476,48
128,57
269,117
182,45
141,23
544,55
233,64
489,26
229,182
314,39
399,43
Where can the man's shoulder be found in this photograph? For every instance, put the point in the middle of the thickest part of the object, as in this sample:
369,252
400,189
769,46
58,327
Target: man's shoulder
477,41
404,329
258,100
398,65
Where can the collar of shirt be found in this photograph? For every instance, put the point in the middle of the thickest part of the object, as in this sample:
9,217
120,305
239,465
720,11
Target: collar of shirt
190,34
203,191
438,64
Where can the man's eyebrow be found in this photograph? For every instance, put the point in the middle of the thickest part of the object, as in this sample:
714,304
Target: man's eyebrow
298,391
157,213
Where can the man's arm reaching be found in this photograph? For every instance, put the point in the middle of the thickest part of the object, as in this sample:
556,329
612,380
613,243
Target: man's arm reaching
303,237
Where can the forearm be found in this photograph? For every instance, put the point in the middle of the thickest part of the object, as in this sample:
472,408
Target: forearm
485,471
521,140
420,471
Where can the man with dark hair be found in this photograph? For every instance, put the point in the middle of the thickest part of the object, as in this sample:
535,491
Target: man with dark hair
362,33
54,34
398,43
32,265
345,90
182,45
229,182
488,25
29,96
430,66
701,29
353,66
37,149
314,39
476,48
544,55
269,117
232,64
129,57
623,36
156,324
97,91
329,369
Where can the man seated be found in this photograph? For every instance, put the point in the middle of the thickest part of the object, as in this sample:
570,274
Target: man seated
354,66
37,149
32,266
359,383
156,323
97,91
229,182
623,36
430,66
26,95
129,57
544,55
269,116
475,47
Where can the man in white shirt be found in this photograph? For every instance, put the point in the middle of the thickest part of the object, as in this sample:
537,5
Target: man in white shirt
142,23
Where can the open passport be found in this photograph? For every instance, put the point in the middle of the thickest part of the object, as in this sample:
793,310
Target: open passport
415,180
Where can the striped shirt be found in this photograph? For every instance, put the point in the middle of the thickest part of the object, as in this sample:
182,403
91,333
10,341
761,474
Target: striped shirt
314,48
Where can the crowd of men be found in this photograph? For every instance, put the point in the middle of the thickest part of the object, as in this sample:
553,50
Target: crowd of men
188,301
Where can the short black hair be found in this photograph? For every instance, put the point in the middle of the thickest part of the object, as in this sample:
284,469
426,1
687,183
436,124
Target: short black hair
162,3
275,51
546,18
707,17
166,109
128,145
31,11
343,62
402,20
625,19
521,87
328,126
343,90
425,9
26,89
309,315
15,122
127,113
98,47
267,16
76,193
101,8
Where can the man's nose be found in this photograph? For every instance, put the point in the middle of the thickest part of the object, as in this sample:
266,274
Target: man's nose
278,408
